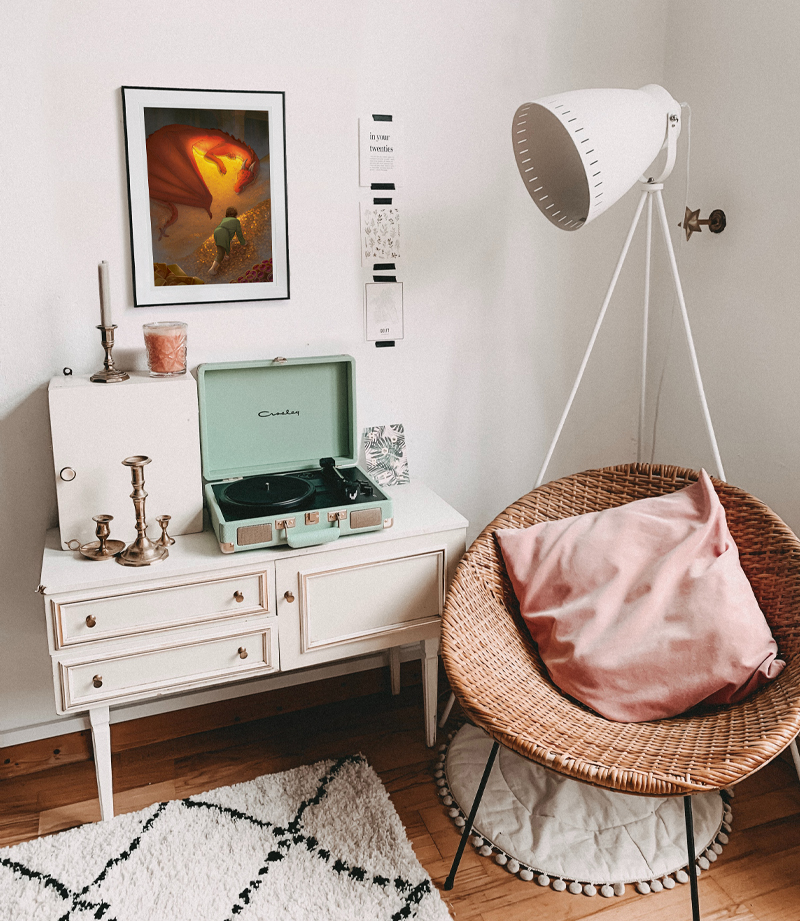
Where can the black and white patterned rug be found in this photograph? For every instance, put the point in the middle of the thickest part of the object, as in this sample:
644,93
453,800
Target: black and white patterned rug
315,843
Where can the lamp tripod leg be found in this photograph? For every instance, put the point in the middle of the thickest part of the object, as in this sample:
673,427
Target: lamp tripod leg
595,331
645,328
472,813
689,339
692,868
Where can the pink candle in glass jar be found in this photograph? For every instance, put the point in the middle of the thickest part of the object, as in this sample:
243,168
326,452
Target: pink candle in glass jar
165,342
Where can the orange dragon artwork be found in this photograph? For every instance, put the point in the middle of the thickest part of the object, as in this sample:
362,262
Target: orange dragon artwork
174,176
193,169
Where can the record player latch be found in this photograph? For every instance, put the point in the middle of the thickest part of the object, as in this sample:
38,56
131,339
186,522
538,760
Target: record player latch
282,524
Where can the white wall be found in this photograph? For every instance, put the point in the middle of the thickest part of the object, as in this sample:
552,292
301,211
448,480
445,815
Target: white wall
499,304
736,64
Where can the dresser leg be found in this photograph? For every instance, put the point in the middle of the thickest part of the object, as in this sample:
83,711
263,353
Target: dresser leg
101,742
430,681
394,668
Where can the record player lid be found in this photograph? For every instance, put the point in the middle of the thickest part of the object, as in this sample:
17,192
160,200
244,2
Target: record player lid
276,415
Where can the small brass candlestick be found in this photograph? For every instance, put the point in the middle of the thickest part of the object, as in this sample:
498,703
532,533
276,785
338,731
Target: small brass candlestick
102,548
165,540
143,551
109,375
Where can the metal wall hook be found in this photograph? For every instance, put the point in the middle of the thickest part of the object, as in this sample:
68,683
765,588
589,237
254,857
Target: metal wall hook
716,222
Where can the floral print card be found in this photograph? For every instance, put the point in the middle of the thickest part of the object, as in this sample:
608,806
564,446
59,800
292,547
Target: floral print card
380,233
385,453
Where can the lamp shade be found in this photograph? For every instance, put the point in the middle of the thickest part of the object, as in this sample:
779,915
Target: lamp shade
581,151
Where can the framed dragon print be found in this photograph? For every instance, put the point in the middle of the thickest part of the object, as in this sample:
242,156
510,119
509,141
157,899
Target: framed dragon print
207,195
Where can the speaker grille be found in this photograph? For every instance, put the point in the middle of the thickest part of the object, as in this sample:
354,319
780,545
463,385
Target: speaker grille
365,518
253,534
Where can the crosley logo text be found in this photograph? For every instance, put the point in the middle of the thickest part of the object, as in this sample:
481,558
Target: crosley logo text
282,412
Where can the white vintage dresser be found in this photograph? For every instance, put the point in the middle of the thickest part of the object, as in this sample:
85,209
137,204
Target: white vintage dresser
200,618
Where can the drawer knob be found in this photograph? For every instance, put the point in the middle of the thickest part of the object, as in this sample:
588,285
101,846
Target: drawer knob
288,596
242,652
90,621
67,474
238,596
97,681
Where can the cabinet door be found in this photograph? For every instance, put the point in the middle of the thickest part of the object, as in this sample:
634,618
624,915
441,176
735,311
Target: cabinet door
94,427
350,601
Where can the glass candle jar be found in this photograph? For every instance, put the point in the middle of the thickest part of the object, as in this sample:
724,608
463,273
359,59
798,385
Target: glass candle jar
165,342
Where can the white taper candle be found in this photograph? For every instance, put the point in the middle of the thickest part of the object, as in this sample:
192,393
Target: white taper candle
105,299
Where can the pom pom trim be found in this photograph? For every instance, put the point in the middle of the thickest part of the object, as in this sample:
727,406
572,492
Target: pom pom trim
487,848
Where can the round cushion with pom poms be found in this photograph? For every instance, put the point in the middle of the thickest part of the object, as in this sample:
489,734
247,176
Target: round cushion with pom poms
569,832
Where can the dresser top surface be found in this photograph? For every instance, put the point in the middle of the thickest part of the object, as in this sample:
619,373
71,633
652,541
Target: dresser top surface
417,511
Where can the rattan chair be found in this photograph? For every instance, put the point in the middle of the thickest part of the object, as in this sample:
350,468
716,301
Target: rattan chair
501,684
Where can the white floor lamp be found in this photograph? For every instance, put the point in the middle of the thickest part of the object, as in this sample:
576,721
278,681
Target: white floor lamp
577,154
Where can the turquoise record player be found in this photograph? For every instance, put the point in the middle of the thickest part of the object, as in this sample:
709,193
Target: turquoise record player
278,445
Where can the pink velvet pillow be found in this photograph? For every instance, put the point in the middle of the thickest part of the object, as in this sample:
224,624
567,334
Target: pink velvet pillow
643,611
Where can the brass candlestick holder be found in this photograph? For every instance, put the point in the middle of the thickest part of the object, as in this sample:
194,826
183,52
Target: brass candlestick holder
165,540
102,548
109,375
143,551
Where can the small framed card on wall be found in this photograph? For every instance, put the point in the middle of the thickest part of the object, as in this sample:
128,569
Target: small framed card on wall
207,195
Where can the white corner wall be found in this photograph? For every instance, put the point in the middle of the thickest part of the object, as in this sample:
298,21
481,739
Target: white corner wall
498,304
736,64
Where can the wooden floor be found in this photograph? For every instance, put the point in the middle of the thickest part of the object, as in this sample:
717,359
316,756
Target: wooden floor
756,879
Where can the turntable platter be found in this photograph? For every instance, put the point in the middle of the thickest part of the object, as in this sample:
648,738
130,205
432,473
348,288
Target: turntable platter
270,493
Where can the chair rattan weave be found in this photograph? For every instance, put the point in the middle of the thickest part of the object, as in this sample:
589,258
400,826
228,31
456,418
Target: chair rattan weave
497,675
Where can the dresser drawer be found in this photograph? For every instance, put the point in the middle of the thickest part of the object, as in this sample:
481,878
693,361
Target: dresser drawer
147,672
88,619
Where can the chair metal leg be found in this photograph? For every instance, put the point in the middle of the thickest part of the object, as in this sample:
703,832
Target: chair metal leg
692,868
446,712
795,756
473,812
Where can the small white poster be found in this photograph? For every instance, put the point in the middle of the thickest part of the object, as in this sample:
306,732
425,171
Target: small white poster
383,313
380,233
379,152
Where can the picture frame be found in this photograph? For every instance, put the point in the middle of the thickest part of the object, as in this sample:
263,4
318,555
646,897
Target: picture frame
206,170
